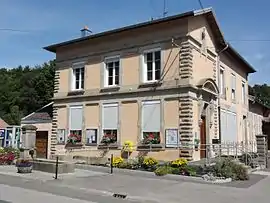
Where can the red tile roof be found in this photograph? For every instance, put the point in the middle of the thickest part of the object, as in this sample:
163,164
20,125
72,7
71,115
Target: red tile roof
3,124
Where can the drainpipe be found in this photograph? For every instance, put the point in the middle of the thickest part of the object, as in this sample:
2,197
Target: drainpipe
218,62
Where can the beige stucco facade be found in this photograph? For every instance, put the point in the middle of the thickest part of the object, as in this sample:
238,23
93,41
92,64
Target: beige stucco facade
187,91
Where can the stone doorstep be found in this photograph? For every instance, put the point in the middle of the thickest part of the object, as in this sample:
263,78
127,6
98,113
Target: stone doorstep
140,173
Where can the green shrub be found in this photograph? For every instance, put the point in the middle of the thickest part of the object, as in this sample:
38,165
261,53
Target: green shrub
163,170
227,168
140,160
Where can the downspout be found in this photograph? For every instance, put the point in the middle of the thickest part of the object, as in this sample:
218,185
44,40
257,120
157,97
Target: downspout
218,62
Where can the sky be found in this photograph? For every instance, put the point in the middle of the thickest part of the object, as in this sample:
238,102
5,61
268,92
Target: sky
244,24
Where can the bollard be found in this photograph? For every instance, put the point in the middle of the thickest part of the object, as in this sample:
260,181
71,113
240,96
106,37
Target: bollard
56,169
111,163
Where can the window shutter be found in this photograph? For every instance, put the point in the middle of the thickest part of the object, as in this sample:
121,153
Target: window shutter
223,126
76,114
110,116
151,116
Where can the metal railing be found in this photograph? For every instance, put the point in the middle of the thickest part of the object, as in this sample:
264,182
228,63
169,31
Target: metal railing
205,153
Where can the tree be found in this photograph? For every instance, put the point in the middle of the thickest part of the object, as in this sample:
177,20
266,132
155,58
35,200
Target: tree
261,93
23,90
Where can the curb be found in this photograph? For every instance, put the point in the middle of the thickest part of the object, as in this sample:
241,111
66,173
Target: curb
144,174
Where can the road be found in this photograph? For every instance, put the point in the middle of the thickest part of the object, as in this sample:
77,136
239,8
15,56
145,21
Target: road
98,187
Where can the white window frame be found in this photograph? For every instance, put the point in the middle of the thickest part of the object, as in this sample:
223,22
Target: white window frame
70,129
114,104
144,64
97,135
106,71
150,102
75,66
243,92
233,93
222,81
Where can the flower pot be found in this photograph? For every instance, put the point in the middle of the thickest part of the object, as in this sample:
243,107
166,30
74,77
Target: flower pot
152,147
73,146
108,146
24,169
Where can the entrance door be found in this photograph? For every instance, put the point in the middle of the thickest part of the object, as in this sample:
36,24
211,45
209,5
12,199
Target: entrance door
41,144
203,139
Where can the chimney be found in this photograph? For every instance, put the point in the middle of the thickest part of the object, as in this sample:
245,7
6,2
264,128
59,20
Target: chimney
85,31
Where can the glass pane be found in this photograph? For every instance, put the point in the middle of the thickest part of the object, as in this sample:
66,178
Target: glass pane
110,65
116,79
110,72
77,74
116,70
77,84
150,75
149,57
110,80
82,83
116,64
157,74
149,66
157,56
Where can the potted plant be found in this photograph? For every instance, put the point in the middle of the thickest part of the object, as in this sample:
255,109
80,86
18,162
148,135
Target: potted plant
24,165
74,140
127,149
108,141
150,140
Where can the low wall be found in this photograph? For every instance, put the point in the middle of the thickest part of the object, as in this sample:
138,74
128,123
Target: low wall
49,166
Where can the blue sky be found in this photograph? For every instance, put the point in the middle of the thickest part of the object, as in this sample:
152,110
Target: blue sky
53,21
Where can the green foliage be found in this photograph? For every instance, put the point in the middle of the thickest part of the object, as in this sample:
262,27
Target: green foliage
150,163
163,170
261,93
23,90
179,162
228,168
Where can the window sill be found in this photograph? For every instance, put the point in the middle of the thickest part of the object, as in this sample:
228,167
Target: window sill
73,146
148,147
108,146
150,84
110,89
75,92
91,144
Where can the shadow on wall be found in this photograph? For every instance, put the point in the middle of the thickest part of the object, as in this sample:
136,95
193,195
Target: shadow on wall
266,130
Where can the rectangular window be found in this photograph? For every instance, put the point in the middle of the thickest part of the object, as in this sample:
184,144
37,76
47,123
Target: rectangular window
233,87
152,66
221,81
112,66
75,124
109,123
151,122
91,136
78,77
61,136
243,92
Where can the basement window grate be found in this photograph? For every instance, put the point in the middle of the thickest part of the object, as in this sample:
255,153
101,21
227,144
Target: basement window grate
120,196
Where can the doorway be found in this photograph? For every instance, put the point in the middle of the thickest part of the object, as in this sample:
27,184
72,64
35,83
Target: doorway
203,138
41,144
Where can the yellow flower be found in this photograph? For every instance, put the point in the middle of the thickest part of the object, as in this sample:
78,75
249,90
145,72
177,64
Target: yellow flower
117,161
128,146
179,162
149,161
